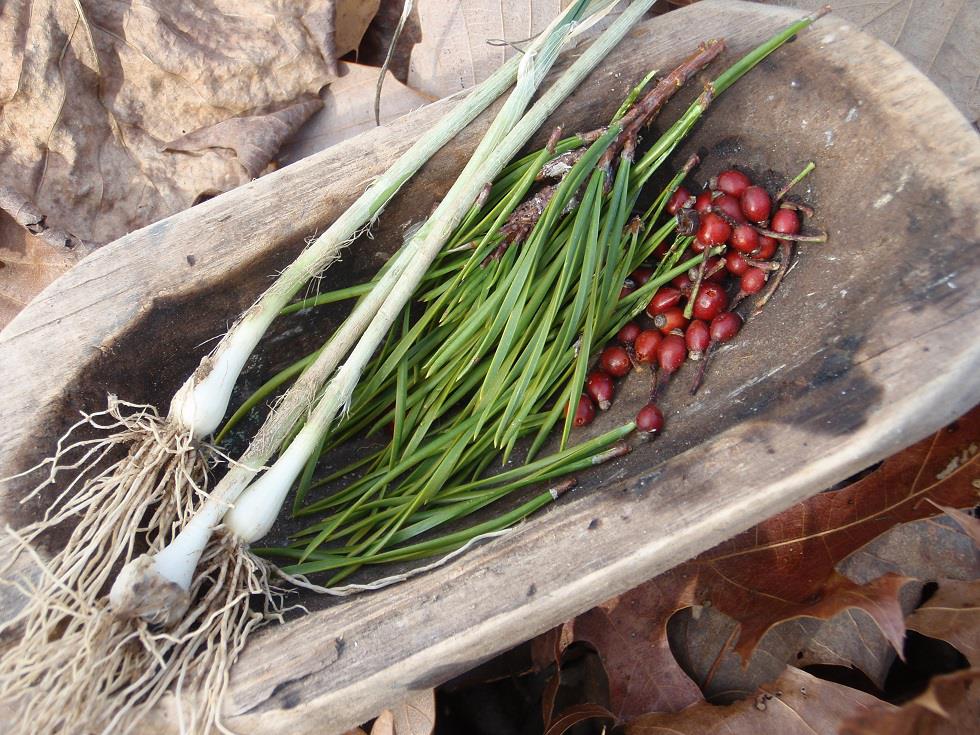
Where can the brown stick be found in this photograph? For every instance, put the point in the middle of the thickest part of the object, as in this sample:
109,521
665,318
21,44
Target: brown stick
785,255
651,103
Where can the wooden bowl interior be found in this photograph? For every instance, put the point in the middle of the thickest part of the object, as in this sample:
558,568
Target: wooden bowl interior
790,110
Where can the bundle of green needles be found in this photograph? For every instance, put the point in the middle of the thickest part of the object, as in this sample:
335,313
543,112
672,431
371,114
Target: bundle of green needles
465,349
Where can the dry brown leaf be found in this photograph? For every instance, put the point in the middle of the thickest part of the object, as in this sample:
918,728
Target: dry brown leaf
378,38
348,109
114,115
794,704
952,614
950,706
782,569
384,724
701,644
416,714
968,523
351,22
927,549
28,263
462,43
574,715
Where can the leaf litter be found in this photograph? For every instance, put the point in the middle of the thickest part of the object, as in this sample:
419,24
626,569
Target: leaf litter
832,582
115,115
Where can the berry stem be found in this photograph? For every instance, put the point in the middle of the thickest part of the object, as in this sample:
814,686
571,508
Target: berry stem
822,237
796,180
785,254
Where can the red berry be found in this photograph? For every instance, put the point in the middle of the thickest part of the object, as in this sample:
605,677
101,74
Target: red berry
677,200
725,326
753,280
671,353
601,388
785,222
713,230
671,319
628,334
645,347
735,264
665,298
733,182
615,361
714,270
649,420
641,275
697,339
730,206
628,288
584,411
698,247
702,205
682,283
756,204
766,249
710,301
744,239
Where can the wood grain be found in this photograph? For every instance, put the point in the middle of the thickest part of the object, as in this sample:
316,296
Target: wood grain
942,39
868,347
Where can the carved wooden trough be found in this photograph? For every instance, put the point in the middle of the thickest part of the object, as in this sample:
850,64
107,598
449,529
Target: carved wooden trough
872,342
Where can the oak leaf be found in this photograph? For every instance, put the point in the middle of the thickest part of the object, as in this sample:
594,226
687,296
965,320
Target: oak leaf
929,549
784,568
794,704
952,614
348,109
950,706
457,45
414,715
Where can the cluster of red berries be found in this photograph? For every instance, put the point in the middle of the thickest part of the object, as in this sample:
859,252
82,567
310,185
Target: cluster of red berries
735,214
695,312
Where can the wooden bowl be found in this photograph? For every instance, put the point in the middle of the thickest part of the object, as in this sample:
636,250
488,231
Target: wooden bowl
870,345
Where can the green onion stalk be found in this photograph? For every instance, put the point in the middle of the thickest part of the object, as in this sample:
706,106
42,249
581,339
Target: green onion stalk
501,348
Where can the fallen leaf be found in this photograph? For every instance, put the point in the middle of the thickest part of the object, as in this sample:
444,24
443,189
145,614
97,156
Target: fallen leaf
702,645
463,43
348,109
28,263
780,570
968,523
254,139
416,714
785,567
384,724
574,715
629,634
115,115
928,549
950,706
351,21
952,614
794,704
378,39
